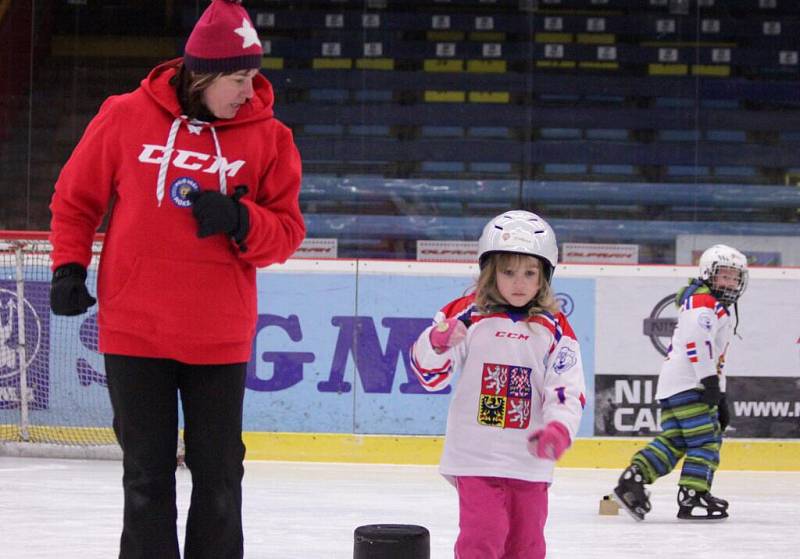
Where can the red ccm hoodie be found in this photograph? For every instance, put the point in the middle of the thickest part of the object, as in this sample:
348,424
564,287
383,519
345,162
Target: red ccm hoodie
162,291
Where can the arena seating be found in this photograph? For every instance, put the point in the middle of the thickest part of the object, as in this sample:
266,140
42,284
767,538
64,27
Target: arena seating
373,217
465,105
616,89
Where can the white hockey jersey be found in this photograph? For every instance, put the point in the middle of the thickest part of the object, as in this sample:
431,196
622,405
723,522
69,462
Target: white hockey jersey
698,346
516,374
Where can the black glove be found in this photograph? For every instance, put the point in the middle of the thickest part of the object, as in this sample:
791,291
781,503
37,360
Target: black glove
724,413
68,293
711,395
217,213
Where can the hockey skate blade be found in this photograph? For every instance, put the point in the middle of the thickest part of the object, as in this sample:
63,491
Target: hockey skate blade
621,502
698,518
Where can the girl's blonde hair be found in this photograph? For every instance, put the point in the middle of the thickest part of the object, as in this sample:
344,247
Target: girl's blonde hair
487,296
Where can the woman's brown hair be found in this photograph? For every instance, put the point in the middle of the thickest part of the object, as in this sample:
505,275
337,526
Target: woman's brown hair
487,296
190,87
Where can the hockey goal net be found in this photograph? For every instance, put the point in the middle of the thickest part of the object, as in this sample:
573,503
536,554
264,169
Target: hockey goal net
53,395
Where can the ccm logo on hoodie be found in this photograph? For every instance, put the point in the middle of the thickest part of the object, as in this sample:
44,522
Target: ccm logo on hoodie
190,160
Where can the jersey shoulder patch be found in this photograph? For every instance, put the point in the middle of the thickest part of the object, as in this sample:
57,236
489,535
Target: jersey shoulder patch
700,300
459,307
557,324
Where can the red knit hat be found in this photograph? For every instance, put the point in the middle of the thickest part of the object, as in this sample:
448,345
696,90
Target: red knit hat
223,40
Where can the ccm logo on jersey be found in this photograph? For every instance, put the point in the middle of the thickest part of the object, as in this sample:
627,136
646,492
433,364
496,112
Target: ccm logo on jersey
510,335
190,160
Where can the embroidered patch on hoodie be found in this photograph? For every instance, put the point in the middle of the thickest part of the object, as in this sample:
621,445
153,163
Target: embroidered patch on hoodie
179,191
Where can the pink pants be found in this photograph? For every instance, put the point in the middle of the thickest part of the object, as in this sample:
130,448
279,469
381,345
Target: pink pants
501,518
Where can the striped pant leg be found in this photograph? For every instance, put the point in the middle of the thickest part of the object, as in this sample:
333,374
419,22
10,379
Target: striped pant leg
703,436
661,455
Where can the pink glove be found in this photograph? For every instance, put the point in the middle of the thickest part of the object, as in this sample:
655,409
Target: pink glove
446,334
549,443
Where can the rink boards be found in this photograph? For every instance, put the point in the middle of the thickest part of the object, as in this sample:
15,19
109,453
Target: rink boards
329,376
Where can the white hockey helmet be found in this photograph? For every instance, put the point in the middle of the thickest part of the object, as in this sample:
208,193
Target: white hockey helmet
723,256
520,232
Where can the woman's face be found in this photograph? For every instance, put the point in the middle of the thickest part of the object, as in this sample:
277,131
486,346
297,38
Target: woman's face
518,282
229,92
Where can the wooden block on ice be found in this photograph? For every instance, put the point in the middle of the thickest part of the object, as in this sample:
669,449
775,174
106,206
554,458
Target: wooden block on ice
608,506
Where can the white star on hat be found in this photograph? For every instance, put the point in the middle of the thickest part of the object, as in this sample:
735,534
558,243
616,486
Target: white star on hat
248,33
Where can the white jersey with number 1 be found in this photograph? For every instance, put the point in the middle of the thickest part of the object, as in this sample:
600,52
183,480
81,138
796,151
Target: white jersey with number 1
698,346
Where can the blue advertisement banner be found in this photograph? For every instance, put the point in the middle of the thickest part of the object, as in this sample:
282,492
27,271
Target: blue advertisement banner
330,354
34,345
318,366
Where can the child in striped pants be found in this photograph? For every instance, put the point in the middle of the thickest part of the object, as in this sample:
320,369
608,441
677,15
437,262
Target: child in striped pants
691,393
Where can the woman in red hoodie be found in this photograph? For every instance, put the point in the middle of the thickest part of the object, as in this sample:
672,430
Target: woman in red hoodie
203,185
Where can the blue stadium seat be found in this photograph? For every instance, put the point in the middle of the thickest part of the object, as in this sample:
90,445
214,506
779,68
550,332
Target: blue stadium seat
469,228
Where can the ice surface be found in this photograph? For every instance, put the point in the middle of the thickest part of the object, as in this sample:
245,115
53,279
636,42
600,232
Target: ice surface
73,509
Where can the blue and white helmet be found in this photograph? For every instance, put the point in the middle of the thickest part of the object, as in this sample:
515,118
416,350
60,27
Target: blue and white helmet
723,256
520,232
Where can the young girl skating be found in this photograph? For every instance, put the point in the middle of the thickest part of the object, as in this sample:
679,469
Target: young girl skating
520,392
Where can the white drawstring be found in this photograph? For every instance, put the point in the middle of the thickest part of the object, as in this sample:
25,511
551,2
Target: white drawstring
223,181
167,157
164,165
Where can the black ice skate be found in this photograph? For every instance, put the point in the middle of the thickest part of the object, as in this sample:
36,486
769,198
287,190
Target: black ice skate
700,505
631,494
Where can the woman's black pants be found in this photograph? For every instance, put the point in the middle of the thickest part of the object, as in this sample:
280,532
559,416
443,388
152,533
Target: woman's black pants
144,397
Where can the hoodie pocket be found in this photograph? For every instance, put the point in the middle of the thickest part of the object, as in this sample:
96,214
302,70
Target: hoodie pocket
196,300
